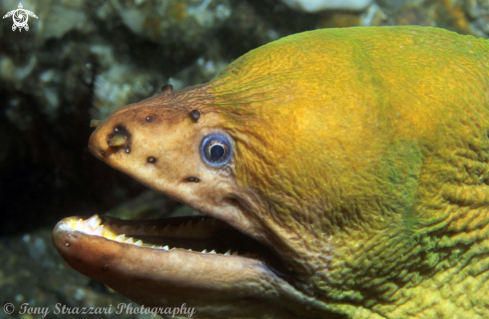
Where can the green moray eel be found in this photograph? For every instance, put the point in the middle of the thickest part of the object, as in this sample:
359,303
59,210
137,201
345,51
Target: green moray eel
344,174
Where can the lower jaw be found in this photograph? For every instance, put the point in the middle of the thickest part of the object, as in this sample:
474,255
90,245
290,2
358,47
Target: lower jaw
190,234
152,265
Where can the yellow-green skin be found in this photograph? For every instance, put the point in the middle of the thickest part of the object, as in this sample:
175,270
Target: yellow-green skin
374,143
361,157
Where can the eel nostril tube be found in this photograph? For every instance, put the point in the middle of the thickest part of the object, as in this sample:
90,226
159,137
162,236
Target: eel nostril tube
116,141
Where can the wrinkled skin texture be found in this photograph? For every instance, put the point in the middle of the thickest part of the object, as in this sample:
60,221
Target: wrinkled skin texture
360,158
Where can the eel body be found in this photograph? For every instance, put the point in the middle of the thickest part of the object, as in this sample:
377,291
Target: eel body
346,170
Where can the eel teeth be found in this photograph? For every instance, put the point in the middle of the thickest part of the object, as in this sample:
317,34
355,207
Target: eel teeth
120,238
93,221
78,224
204,251
235,253
139,243
212,252
228,253
129,241
98,231
165,248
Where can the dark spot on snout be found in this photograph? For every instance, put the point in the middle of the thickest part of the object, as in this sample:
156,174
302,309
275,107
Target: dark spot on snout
149,119
105,268
195,114
151,159
102,153
193,179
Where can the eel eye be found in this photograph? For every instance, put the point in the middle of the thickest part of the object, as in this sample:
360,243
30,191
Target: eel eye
216,149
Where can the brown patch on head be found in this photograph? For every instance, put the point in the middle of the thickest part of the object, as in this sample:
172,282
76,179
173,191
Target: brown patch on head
164,110
170,151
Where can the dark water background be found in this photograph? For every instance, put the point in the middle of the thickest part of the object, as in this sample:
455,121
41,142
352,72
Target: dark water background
83,59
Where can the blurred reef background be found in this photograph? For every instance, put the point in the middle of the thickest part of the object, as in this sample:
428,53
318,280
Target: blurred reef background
83,59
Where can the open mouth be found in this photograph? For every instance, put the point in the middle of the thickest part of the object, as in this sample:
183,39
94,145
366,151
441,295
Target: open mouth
195,260
191,234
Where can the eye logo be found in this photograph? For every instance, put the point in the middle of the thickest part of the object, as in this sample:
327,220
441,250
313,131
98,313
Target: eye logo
20,17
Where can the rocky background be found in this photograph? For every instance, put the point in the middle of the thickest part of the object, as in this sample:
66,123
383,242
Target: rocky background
83,59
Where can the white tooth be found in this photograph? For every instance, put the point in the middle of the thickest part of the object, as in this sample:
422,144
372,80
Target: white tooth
93,221
228,253
189,249
138,243
204,251
78,225
235,253
165,248
98,231
153,246
120,238
213,252
129,241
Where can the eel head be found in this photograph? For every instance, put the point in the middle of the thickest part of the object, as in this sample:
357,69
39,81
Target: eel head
227,264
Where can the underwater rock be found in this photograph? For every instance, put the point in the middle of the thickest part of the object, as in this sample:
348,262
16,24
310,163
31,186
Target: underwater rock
478,14
165,21
320,5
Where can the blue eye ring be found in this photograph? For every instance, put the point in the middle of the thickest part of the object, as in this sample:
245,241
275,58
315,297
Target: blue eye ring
216,149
